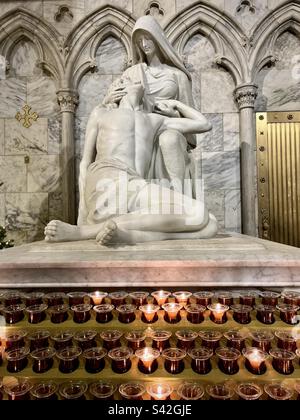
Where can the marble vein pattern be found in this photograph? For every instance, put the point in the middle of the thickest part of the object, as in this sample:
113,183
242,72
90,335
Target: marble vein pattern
55,205
2,136
27,211
24,59
221,170
12,96
231,131
13,174
279,89
41,95
215,202
80,130
21,141
92,90
54,135
44,174
217,87
111,57
233,216
212,141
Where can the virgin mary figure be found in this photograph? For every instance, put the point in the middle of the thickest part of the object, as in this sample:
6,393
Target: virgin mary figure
159,68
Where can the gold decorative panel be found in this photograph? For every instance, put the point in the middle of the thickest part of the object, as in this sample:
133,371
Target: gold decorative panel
278,159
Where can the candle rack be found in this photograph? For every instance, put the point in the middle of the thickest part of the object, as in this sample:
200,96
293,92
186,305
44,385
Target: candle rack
96,373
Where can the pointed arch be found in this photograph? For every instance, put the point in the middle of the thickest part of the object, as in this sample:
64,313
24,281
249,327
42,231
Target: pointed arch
19,24
285,17
82,43
220,29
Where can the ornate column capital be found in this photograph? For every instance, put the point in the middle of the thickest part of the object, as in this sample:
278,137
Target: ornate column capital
68,100
246,95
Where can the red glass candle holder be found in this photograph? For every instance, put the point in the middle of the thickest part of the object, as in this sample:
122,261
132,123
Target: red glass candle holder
265,314
183,298
174,360
242,314
36,314
43,360
39,340
283,361
121,359
94,359
289,314
201,360
195,313
55,299
139,298
14,314
136,340
111,339
172,313
190,392
255,360
58,314
33,299
98,298
86,339
225,298
270,298
262,340
62,340
210,339
249,392
291,298
236,339
228,360
160,339
133,391
104,313
15,340
218,313
126,314
73,390
161,297
12,299
248,298
204,298
219,392
118,298
186,339
287,340
147,360
45,391
17,360
103,390
278,392
68,359
77,298
19,391
159,391
149,313
81,313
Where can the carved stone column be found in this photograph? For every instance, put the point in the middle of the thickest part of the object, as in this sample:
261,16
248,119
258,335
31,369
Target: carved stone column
245,96
68,101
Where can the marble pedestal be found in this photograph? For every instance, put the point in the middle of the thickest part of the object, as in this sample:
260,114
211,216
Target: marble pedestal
227,261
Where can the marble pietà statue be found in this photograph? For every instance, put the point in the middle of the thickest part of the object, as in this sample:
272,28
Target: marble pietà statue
136,161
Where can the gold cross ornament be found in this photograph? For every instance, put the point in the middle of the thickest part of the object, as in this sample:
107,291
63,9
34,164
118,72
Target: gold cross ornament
27,117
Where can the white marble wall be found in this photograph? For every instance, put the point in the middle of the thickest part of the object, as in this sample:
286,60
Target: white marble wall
30,193
30,175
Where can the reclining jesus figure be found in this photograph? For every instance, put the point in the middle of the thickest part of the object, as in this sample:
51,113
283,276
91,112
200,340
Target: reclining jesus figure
117,203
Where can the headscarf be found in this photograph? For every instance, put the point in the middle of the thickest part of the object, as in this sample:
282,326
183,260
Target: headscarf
151,27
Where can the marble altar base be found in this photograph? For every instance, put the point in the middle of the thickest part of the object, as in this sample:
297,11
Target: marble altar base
227,261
